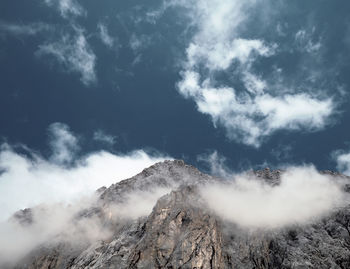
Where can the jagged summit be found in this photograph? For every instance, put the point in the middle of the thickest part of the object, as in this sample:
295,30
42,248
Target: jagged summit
173,228
167,174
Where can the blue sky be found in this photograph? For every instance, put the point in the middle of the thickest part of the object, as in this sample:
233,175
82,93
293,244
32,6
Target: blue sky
245,84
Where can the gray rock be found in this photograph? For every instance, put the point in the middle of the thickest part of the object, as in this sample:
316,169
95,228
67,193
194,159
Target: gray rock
181,233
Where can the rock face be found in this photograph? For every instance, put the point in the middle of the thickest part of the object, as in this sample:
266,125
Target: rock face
181,233
179,236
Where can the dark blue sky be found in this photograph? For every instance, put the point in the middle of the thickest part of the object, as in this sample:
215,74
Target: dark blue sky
115,67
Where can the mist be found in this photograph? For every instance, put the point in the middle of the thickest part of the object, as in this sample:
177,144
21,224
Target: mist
137,204
49,224
303,196
74,224
59,188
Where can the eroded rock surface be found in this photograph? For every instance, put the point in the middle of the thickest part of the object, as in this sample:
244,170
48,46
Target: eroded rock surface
181,233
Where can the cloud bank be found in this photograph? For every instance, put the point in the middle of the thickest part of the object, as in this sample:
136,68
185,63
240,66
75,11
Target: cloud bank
57,223
48,223
303,196
30,179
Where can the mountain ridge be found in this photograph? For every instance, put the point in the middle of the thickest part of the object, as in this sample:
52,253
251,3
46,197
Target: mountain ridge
181,232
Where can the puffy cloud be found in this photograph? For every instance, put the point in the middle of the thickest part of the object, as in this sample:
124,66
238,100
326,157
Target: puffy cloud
251,117
303,196
300,196
342,159
104,35
254,110
74,53
294,111
64,144
67,7
29,179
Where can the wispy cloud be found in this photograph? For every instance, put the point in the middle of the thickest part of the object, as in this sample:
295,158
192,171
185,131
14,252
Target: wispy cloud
216,164
304,41
24,29
74,53
30,179
64,144
139,42
101,136
104,35
254,110
67,7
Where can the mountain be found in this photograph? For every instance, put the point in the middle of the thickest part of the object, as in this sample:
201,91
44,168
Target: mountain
181,231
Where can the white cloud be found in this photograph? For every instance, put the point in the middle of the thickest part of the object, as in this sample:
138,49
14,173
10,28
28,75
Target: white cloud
104,35
56,223
24,29
253,83
67,7
294,111
64,144
220,54
303,196
74,53
252,112
52,223
251,117
29,181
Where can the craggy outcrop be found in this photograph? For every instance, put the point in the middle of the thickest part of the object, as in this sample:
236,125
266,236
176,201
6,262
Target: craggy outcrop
181,233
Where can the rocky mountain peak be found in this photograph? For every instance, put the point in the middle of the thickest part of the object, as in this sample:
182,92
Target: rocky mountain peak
181,231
